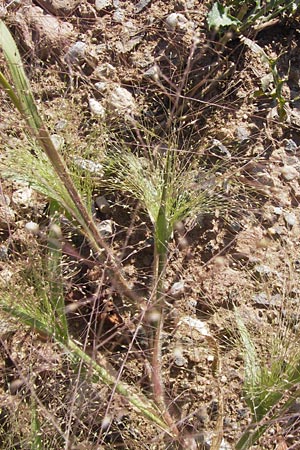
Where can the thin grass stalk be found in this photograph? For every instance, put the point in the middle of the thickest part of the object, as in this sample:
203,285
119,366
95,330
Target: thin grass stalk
144,405
161,240
49,330
23,100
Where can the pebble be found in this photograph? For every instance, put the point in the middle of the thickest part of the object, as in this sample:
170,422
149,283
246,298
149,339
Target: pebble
7,217
180,361
102,4
60,125
101,86
290,146
242,134
218,149
177,289
97,109
6,276
23,197
119,15
62,7
104,71
76,53
105,228
3,252
277,230
290,219
261,299
289,173
175,20
102,204
121,101
196,324
262,269
32,227
153,73
90,166
58,141
141,5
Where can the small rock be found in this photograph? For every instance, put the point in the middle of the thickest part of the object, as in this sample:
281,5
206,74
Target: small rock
104,72
102,204
119,15
290,219
23,197
60,7
121,101
277,210
242,134
277,230
97,109
177,289
105,228
52,34
219,150
101,86
6,275
289,173
32,227
176,20
290,146
141,5
58,141
195,324
152,73
262,270
3,252
90,166
7,217
60,125
180,361
261,299
76,53
102,4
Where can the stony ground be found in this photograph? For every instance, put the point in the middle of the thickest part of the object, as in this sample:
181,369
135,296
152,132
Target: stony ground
120,68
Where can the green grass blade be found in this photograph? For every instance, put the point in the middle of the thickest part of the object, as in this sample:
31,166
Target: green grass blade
23,99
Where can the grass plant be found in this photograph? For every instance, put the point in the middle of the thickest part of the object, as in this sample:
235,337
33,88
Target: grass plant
170,188
270,386
50,176
167,193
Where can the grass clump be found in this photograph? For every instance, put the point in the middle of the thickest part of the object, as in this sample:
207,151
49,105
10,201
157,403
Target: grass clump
271,385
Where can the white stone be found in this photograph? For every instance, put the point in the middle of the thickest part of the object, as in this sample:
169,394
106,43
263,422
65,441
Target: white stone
121,101
175,20
7,217
90,166
76,52
58,141
23,197
197,324
289,173
32,227
97,109
102,4
105,228
177,289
